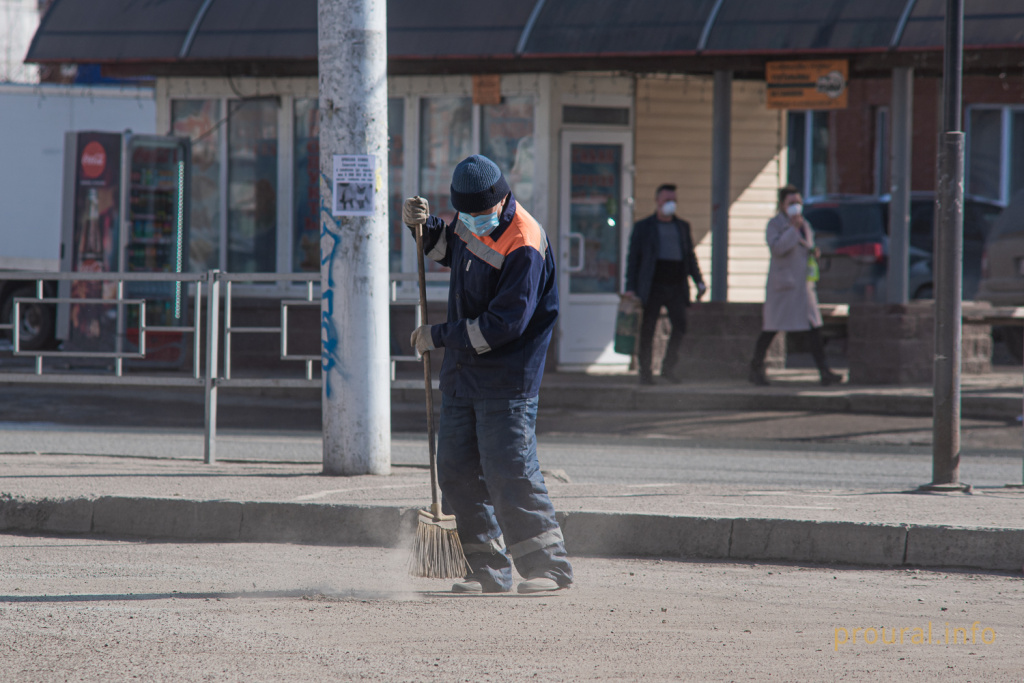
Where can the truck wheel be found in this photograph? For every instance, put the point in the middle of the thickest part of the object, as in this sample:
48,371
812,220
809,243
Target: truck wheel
37,321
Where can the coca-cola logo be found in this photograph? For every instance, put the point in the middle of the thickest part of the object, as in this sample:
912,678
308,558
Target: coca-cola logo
94,160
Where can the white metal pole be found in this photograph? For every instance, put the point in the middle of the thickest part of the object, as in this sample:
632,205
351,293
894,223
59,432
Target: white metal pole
212,352
353,249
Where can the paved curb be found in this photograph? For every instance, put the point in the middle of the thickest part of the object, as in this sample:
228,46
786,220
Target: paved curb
586,533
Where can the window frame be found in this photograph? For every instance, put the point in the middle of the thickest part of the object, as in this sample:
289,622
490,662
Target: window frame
1006,112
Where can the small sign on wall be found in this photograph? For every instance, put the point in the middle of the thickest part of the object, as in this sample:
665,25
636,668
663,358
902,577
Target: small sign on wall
354,184
811,84
487,89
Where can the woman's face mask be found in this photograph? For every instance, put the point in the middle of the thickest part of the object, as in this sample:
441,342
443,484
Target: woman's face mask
480,225
794,210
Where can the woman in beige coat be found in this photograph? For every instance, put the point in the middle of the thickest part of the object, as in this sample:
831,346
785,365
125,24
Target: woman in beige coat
791,299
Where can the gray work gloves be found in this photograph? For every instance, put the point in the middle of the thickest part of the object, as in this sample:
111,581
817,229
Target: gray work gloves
415,211
701,288
421,339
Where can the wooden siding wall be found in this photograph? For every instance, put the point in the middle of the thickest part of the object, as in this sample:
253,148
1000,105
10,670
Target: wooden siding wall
673,145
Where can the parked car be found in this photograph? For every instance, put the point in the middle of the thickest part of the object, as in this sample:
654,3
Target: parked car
852,232
1002,269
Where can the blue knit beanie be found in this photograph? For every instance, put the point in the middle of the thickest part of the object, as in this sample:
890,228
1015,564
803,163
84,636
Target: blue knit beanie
477,184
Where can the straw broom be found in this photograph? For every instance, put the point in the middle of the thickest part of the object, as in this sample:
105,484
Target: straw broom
436,552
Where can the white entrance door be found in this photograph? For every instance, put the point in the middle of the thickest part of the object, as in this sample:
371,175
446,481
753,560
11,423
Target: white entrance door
595,220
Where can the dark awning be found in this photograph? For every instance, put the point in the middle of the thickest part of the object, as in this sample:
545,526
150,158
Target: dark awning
431,36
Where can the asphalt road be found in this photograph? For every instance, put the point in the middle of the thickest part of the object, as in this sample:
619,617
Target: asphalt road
88,609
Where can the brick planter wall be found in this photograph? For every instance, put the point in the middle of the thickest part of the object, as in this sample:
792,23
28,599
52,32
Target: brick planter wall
895,343
719,341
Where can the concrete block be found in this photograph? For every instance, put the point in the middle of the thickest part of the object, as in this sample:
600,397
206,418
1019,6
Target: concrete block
55,515
644,535
811,541
978,548
167,518
319,524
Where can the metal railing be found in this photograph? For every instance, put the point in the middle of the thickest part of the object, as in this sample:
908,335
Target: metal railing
206,286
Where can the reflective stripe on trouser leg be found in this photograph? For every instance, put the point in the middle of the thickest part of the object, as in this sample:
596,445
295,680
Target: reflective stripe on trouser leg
539,542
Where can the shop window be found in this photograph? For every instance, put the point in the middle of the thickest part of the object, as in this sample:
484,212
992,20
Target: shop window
808,139
199,120
1016,151
306,221
252,186
306,217
984,165
883,181
995,152
506,132
396,178
446,138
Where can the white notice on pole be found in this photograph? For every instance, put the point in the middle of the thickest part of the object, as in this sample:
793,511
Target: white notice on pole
354,181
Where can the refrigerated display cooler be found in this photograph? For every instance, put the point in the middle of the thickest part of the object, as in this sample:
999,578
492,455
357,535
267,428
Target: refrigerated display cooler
126,209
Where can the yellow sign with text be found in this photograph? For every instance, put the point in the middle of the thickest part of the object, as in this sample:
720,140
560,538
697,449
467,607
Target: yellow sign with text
811,84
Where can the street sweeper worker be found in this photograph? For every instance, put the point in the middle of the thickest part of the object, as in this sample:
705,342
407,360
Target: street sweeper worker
502,305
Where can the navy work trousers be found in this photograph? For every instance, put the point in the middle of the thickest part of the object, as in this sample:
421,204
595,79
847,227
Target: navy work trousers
491,481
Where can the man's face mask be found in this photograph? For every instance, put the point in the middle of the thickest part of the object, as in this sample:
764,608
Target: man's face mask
480,225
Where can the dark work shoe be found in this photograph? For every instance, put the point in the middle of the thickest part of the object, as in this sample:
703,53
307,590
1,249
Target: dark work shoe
828,377
757,375
647,380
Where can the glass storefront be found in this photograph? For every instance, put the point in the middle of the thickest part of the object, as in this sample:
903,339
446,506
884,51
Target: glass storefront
595,217
995,151
808,139
446,138
983,164
396,178
198,120
306,217
252,186
246,237
506,137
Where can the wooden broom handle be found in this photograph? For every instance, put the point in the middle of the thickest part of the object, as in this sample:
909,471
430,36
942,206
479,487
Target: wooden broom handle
421,278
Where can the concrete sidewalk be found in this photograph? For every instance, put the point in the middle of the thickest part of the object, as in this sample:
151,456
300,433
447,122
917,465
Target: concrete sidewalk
994,395
172,498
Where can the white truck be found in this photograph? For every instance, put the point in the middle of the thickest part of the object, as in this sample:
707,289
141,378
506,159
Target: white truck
33,120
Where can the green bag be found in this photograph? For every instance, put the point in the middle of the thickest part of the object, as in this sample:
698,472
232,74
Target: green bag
813,274
627,326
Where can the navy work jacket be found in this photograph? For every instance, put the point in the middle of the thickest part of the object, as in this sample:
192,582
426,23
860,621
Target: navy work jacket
502,305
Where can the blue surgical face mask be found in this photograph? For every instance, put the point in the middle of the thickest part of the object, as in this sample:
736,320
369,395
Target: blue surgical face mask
480,225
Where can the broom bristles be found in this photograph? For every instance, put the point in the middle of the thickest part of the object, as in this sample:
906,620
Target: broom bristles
437,552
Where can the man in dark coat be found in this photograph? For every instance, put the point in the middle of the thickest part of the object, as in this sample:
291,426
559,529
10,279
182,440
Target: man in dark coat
661,262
